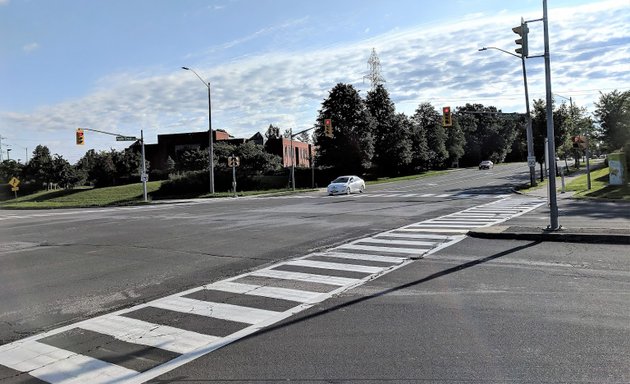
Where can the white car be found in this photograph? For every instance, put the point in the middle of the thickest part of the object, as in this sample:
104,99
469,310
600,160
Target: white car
346,185
486,164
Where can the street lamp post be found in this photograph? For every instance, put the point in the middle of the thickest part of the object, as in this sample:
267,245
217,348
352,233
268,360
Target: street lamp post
530,135
210,140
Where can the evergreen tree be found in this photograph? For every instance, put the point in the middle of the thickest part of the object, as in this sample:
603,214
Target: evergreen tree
428,122
455,142
351,148
39,169
392,143
489,134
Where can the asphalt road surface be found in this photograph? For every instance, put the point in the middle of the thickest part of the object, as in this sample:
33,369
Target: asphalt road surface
174,278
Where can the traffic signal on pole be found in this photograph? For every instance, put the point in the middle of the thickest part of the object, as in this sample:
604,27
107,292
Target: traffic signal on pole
80,137
522,30
447,118
328,129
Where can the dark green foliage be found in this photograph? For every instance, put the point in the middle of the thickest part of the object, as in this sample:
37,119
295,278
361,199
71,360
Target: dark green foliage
428,125
613,114
352,147
489,133
392,143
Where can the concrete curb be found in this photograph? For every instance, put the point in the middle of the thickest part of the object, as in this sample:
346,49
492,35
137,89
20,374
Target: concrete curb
592,236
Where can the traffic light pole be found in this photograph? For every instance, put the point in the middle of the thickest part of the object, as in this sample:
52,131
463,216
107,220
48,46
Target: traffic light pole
528,129
291,136
551,143
528,117
144,176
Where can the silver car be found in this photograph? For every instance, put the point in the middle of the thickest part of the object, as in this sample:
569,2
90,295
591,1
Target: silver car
346,185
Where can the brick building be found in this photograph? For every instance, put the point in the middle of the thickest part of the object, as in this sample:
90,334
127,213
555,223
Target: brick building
170,144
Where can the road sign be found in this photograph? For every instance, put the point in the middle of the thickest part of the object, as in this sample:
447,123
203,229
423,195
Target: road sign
531,161
234,161
144,177
126,138
15,189
14,182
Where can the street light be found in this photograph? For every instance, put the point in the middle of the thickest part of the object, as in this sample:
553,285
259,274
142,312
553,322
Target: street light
531,158
210,146
8,156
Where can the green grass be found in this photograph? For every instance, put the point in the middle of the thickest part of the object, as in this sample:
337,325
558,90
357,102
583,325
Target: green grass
599,187
81,197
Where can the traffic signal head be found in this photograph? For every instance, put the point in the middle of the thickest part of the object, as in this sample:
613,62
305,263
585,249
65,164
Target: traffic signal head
80,137
447,118
522,30
328,129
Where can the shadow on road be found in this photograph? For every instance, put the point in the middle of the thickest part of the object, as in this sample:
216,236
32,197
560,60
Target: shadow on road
433,276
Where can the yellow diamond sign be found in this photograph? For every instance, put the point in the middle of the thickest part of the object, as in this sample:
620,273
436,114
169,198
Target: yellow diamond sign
14,182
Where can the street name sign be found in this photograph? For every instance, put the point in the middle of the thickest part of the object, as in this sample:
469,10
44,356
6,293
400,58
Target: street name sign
126,138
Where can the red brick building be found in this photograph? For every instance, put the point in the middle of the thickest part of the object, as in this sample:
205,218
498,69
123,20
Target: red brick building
169,145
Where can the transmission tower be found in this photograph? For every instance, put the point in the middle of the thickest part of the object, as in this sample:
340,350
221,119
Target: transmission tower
374,64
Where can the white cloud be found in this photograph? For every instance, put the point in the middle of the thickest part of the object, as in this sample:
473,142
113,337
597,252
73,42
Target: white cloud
28,48
440,64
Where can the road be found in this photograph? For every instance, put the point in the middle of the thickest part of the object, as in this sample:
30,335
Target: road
63,266
123,268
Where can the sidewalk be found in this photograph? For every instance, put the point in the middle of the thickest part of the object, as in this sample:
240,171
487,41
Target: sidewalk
581,221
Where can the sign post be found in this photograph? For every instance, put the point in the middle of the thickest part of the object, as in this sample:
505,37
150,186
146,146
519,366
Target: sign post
234,161
14,182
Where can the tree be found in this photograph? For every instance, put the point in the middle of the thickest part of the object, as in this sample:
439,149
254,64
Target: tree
102,171
392,143
193,159
455,142
613,115
488,132
575,122
428,123
304,137
39,168
351,148
273,132
128,163
10,169
64,174
539,127
255,160
170,165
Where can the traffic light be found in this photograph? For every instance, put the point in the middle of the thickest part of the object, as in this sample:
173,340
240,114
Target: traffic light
522,30
328,129
80,138
447,118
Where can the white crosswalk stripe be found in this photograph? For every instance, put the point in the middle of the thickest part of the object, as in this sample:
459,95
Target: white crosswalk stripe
304,281
145,333
216,310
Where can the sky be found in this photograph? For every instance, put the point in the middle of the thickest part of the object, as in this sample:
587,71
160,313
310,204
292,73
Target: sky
115,65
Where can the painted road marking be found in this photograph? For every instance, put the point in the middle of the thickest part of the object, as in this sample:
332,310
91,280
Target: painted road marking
228,321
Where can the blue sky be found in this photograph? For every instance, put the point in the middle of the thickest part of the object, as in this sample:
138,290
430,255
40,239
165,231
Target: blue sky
115,65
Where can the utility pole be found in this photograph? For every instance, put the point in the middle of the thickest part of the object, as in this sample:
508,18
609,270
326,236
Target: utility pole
292,160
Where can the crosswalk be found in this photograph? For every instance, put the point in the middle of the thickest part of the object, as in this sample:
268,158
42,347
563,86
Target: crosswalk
145,341
395,195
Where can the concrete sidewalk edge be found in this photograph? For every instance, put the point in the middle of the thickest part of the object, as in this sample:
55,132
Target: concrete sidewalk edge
537,234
